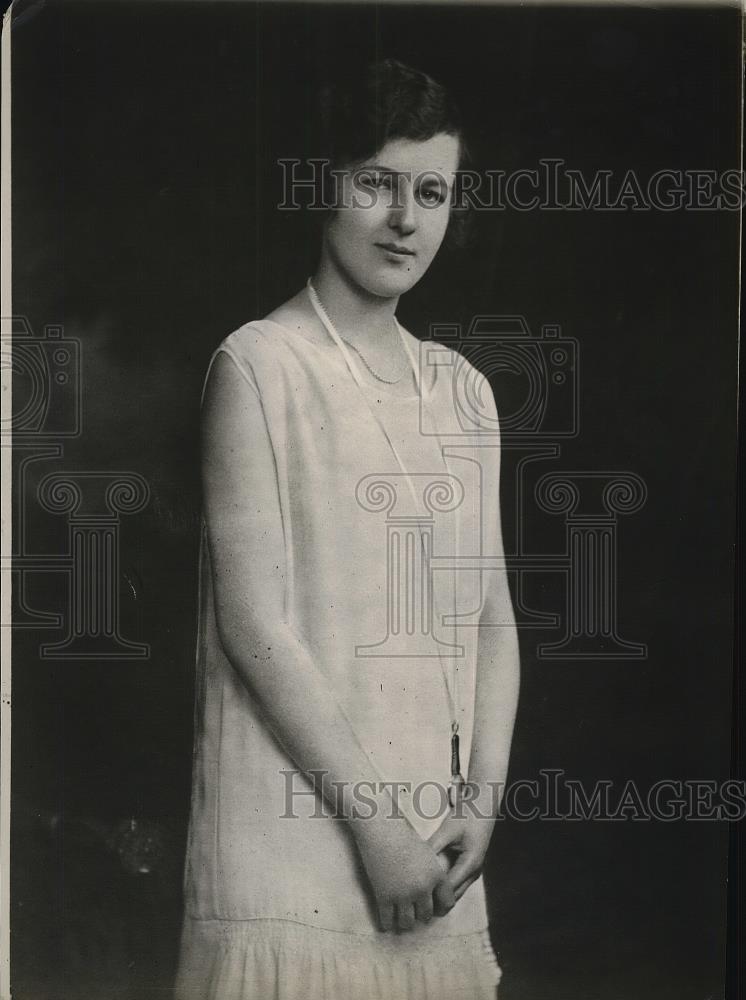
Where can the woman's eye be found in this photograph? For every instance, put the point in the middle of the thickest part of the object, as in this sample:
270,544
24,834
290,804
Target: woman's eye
432,196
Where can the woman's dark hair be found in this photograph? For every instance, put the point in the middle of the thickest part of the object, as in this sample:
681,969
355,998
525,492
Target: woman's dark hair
358,113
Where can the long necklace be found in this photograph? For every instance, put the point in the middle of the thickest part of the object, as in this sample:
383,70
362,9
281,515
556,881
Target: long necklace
381,378
457,779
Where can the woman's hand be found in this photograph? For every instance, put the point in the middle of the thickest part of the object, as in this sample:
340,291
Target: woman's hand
403,870
466,838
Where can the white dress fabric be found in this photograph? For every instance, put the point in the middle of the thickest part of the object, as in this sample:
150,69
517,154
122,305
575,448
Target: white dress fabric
278,908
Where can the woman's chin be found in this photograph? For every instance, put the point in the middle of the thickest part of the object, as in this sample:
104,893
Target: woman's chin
391,285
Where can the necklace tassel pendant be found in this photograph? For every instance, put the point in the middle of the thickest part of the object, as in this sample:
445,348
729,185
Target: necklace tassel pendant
457,779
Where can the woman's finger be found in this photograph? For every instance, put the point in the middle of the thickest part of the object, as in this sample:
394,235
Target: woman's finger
461,889
465,866
405,916
423,908
386,916
444,861
444,836
445,899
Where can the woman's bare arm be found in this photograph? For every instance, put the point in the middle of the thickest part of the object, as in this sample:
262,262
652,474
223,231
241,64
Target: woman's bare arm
498,657
245,536
496,699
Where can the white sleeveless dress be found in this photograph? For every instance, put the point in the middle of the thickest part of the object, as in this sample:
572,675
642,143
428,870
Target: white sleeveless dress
278,908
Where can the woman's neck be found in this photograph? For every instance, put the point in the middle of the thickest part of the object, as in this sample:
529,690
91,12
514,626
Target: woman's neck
362,319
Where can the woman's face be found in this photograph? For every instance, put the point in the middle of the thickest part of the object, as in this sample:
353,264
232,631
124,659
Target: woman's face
393,211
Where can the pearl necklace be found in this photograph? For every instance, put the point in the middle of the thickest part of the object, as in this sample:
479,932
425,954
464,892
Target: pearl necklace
457,780
381,378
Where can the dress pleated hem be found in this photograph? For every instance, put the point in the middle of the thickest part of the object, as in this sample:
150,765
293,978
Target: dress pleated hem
268,959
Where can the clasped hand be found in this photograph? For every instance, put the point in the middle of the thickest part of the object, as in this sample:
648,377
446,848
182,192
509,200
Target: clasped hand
414,880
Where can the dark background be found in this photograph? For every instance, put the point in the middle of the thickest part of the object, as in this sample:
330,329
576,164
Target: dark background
144,185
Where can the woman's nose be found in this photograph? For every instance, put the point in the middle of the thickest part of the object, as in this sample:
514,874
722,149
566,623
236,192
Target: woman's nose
403,213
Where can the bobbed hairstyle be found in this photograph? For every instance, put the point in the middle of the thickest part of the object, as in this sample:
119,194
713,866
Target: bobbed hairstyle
359,111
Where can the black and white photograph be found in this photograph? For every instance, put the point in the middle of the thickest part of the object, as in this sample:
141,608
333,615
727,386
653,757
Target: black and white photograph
371,523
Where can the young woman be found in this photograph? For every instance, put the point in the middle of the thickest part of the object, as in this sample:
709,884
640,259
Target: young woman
340,698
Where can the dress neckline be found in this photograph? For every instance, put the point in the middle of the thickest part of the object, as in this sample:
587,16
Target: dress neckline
340,361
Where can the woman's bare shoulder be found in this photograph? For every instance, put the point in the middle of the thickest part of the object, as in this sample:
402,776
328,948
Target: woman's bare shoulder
297,318
263,337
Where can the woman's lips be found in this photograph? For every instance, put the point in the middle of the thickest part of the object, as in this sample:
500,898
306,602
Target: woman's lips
395,250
